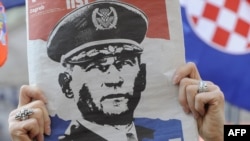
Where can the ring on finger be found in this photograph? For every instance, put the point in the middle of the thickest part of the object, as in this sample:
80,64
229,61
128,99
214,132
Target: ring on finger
203,87
24,114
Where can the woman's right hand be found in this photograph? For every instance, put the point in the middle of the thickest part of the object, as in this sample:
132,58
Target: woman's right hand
37,124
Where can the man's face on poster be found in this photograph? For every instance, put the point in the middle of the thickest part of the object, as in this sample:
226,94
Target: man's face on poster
107,84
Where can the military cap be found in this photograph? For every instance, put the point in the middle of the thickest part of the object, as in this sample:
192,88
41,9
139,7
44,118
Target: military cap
97,28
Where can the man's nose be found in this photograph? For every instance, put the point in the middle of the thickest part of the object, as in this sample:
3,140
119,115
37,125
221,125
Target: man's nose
114,78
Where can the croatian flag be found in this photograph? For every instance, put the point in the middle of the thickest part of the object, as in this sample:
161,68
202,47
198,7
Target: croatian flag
217,39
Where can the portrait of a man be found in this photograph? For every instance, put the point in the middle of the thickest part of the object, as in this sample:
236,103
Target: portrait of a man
99,45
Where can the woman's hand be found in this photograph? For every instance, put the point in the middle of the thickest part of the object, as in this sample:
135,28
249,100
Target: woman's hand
37,124
207,107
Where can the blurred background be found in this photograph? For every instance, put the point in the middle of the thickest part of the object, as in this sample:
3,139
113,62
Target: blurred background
225,61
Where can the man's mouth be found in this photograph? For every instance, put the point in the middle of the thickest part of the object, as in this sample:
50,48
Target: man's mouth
115,103
115,100
115,97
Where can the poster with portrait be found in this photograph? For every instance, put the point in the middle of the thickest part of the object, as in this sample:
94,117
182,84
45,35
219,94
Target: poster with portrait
106,67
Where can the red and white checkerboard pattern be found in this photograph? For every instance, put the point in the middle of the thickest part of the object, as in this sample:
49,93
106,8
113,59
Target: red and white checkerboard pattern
223,24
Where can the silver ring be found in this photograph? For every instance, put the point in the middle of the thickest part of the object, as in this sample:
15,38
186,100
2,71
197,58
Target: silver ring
24,114
202,87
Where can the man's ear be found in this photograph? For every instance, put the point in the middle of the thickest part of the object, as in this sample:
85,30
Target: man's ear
140,81
64,80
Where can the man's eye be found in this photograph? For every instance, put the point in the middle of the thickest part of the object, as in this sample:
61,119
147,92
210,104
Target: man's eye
127,62
120,64
100,67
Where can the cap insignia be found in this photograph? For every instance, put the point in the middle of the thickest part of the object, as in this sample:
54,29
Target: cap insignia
105,18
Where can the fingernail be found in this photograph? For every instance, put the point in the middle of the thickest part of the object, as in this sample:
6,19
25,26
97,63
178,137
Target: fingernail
176,79
48,130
